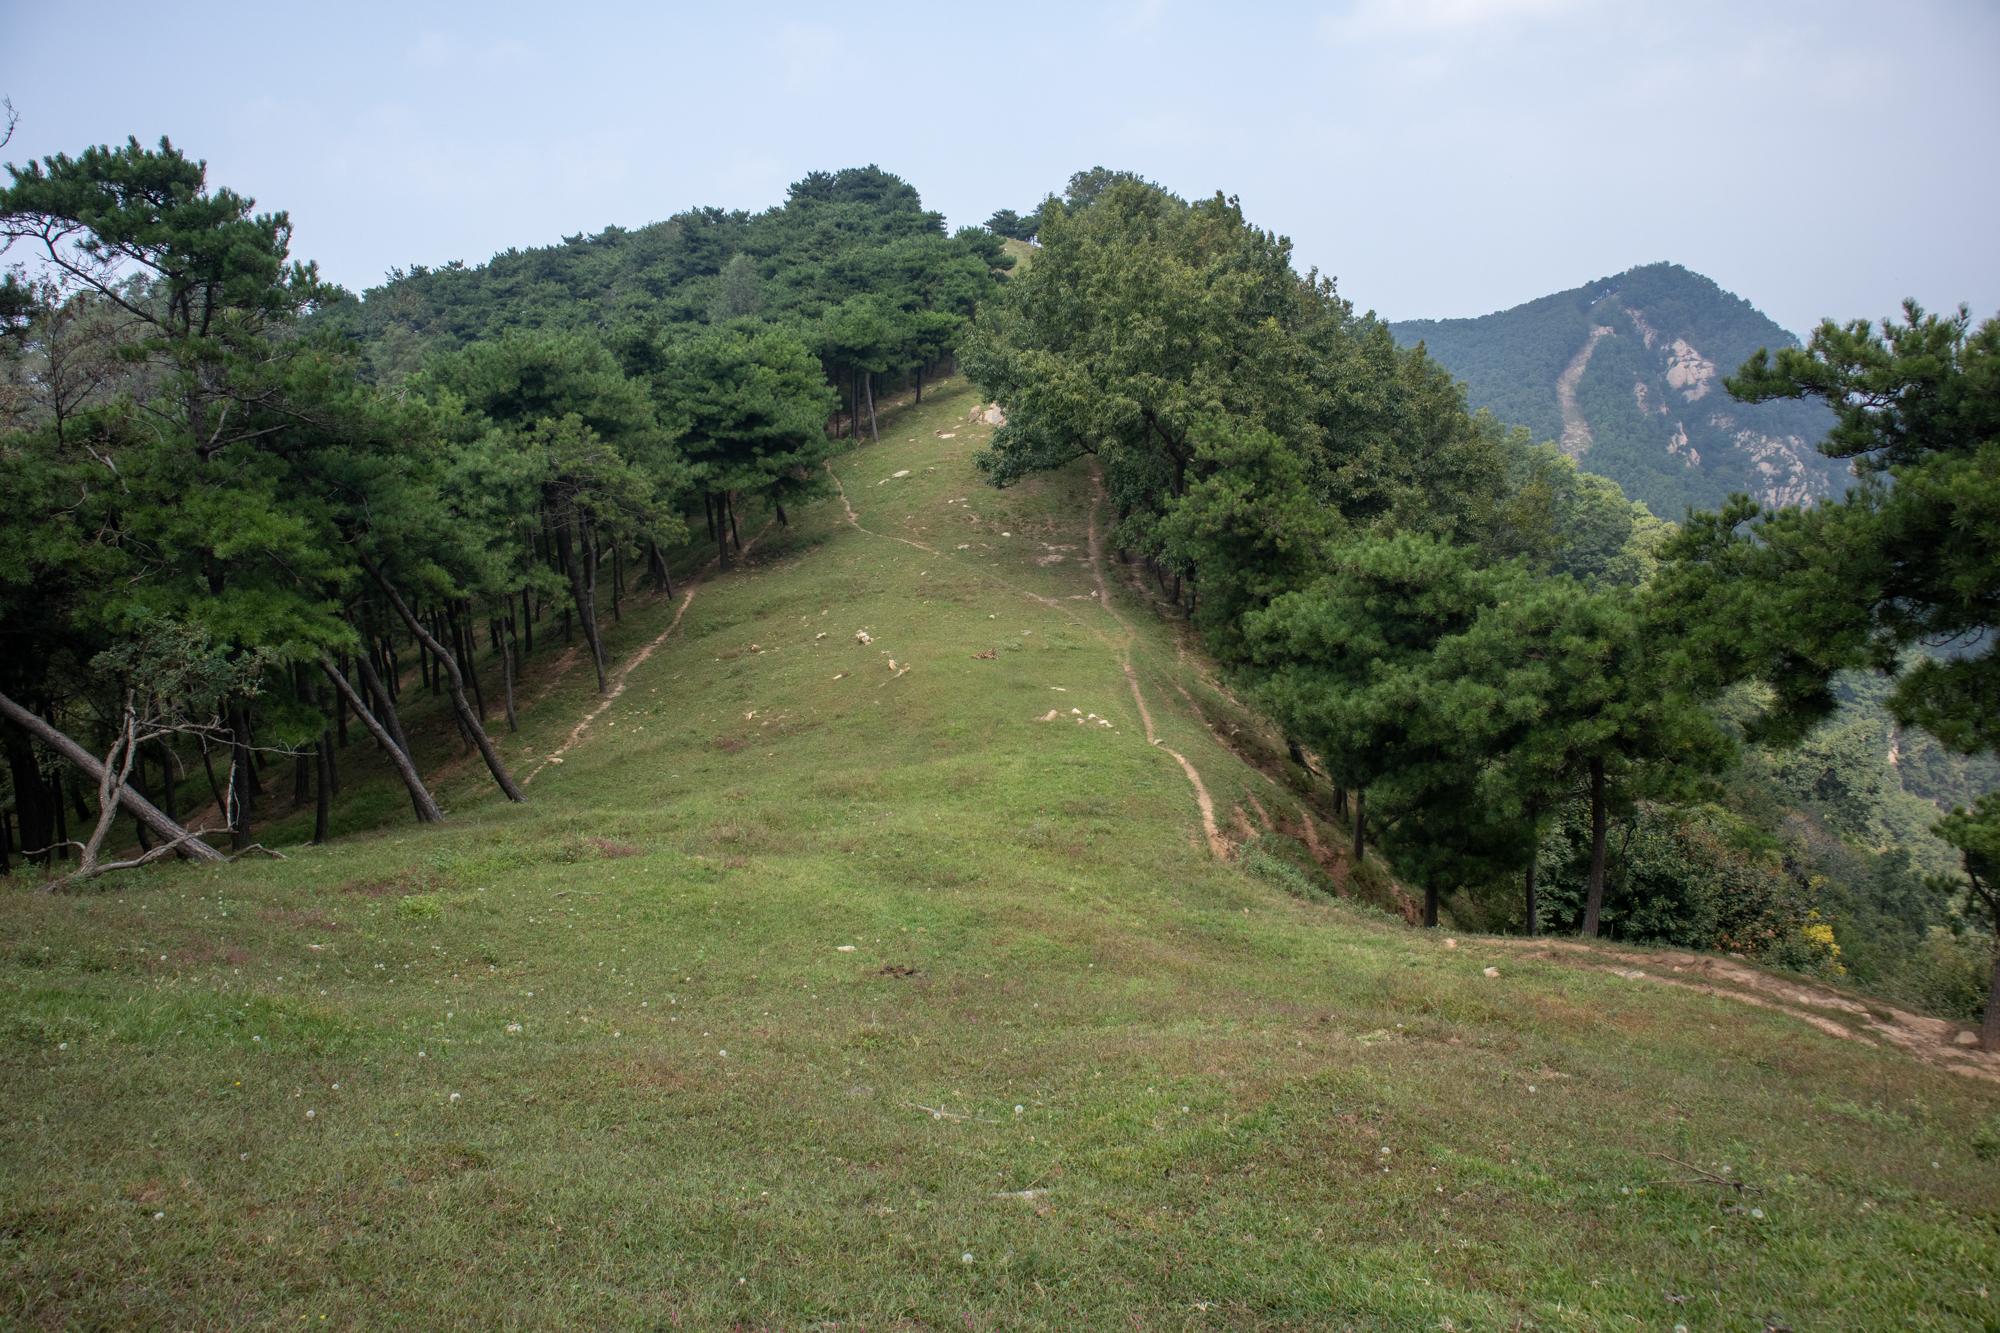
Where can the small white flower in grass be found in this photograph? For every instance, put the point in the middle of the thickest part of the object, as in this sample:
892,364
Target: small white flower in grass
1757,1213
420,1055
965,1258
159,1217
454,1096
312,1115
723,1054
1385,1152
62,1045
256,1039
336,1087
513,1027
1019,1109
243,1157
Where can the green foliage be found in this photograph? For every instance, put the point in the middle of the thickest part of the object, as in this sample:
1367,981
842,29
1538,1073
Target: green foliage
839,235
1007,223
1795,597
748,408
1693,876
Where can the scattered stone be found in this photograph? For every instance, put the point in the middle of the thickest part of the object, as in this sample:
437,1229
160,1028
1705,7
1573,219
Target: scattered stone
1492,971
898,476
1967,1038
863,636
843,948
1451,944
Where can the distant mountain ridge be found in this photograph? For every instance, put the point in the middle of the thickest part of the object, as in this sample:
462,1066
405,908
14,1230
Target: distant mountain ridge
1626,374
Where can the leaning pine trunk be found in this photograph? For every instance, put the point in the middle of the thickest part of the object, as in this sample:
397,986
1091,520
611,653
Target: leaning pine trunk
1594,904
501,776
1360,800
583,592
507,665
420,796
185,843
385,706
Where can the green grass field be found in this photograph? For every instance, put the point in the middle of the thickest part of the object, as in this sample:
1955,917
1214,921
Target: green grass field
812,991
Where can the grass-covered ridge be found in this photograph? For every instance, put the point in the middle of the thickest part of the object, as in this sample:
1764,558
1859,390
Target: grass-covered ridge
810,989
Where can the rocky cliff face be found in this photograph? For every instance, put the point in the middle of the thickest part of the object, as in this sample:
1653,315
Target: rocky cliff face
1626,374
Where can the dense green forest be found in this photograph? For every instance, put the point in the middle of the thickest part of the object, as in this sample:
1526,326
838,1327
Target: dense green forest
1666,449
239,500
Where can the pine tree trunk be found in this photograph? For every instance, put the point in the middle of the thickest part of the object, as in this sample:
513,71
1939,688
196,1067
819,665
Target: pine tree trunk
501,776
385,707
721,535
1360,800
1430,905
920,382
1534,909
471,659
134,804
507,667
617,581
214,790
874,435
420,796
242,795
527,623
38,826
583,591
1593,907
735,537
323,788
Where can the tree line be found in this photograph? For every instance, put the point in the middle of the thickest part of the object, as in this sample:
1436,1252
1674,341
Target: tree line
238,503
1493,660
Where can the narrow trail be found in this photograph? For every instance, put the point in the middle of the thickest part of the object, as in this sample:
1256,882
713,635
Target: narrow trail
638,659
854,519
1218,845
1870,1023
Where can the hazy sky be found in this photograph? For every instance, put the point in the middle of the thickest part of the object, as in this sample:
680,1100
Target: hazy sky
1439,157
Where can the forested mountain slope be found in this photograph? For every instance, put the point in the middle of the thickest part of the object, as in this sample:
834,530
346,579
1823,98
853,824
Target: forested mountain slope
897,982
842,245
1626,373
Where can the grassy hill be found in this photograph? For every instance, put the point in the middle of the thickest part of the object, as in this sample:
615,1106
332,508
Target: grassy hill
898,984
